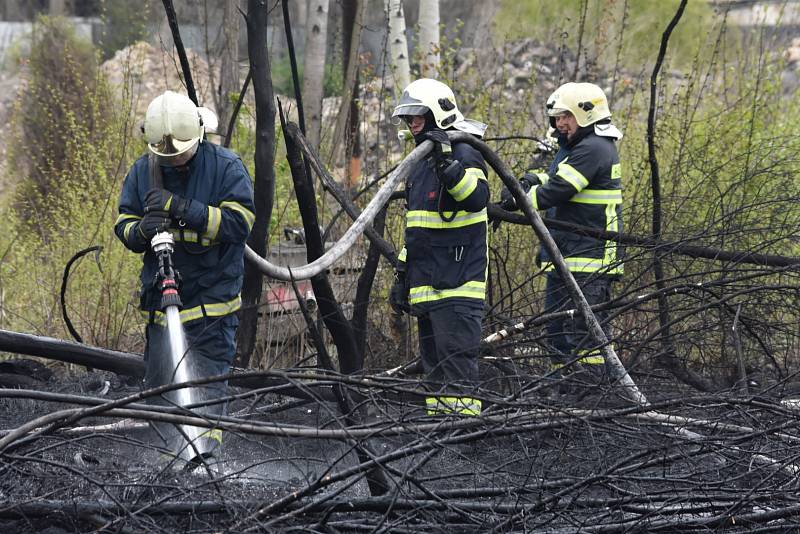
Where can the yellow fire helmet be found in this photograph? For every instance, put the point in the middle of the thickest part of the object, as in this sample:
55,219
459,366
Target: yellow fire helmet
586,101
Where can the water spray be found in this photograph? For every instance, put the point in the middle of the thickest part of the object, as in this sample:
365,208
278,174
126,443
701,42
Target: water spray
190,443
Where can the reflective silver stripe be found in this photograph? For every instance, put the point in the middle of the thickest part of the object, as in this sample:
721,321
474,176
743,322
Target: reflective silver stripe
467,184
571,174
431,219
472,289
214,220
216,309
598,196
249,216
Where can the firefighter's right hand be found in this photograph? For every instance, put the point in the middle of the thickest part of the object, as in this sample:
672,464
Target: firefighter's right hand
398,296
507,200
152,223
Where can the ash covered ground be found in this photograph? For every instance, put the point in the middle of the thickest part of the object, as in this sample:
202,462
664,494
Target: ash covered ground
587,461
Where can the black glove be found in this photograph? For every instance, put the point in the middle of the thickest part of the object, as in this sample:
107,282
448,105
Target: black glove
163,200
441,143
507,200
448,171
398,296
153,222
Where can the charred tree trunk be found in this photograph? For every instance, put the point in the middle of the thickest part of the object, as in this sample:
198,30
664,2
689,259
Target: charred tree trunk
332,315
364,289
257,18
354,21
172,19
668,358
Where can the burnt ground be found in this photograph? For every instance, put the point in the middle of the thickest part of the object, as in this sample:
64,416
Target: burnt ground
581,462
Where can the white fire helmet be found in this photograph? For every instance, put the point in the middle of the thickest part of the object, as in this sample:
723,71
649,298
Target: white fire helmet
173,124
425,94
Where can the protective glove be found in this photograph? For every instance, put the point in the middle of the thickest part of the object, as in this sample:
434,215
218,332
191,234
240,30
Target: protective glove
528,180
163,200
448,170
398,295
154,221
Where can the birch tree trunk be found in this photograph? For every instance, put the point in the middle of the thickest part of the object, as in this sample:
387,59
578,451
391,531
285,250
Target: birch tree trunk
429,38
398,46
229,64
314,70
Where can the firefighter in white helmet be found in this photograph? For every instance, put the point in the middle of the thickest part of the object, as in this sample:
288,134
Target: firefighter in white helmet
203,195
582,186
441,277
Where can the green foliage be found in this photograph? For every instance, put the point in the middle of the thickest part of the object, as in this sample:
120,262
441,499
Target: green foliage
125,23
67,145
54,117
631,29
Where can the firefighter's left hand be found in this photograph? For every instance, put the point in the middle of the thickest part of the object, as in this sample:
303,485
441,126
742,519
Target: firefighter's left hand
163,200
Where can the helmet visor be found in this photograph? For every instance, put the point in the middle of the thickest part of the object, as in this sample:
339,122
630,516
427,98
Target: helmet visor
410,109
170,146
557,112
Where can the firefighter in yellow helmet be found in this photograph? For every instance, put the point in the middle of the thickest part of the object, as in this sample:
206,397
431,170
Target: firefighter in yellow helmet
582,186
441,278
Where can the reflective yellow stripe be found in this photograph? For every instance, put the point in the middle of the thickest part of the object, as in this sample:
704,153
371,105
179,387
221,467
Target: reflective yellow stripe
212,433
402,255
598,196
453,405
431,219
249,216
571,174
190,236
216,309
214,220
591,357
586,265
168,204
472,289
127,229
467,184
616,171
612,225
543,177
125,217
532,195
